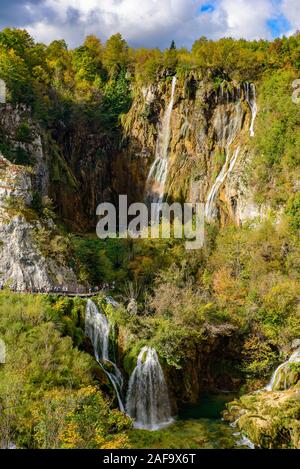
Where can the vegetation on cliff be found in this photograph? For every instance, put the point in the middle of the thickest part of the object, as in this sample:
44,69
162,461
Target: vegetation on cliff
48,394
270,419
240,294
96,77
246,278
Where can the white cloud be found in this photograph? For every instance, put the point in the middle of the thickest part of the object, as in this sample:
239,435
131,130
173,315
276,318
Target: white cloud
157,22
248,19
147,22
45,32
290,9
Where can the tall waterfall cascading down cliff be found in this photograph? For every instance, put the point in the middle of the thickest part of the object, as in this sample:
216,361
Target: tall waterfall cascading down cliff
283,369
97,328
225,171
158,173
228,124
250,92
147,399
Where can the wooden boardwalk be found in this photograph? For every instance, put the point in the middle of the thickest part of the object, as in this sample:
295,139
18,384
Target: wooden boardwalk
74,294
61,293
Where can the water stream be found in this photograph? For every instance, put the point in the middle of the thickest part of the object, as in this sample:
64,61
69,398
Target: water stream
97,328
148,402
147,398
283,368
198,426
250,92
158,173
225,171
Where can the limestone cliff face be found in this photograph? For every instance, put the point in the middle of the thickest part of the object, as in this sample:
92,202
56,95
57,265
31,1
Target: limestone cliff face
80,165
90,165
211,368
208,125
22,264
22,142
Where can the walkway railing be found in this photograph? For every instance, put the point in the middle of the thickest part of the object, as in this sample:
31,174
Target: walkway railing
62,292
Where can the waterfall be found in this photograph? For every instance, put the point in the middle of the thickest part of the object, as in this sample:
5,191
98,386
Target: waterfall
294,358
250,92
227,126
97,328
159,170
243,440
225,171
147,399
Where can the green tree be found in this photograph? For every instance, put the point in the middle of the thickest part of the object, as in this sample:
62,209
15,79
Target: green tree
116,54
87,60
293,211
17,39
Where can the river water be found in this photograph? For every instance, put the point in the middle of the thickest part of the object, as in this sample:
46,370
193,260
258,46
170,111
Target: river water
197,426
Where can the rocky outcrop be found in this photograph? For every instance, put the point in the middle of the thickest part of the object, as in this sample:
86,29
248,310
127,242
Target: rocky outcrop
269,419
15,183
24,178
21,142
208,124
208,368
22,265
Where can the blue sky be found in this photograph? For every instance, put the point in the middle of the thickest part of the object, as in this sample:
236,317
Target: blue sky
151,23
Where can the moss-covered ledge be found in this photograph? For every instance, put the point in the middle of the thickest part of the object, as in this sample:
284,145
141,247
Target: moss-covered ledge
269,419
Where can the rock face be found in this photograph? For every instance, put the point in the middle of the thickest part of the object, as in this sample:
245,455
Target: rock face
79,166
22,265
22,143
132,307
269,419
208,126
205,371
2,92
89,165
82,165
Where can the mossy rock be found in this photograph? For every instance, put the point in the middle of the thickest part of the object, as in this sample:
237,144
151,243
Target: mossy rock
288,377
269,419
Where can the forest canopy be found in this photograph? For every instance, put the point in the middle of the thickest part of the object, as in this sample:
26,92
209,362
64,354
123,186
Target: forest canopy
41,76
